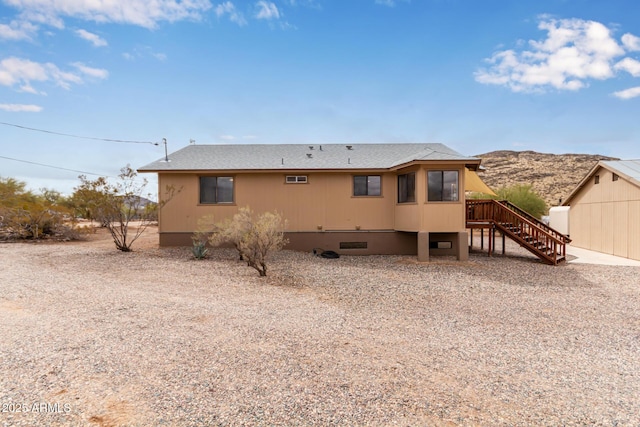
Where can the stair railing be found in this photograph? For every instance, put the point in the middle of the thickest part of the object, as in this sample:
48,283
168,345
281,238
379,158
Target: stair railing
542,241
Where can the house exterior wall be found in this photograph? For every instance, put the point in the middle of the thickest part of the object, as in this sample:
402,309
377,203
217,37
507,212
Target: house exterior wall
326,202
322,212
432,216
605,217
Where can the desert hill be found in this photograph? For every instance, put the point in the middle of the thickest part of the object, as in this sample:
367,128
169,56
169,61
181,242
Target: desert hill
553,176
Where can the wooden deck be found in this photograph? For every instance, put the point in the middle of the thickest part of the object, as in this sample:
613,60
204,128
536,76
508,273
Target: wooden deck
532,234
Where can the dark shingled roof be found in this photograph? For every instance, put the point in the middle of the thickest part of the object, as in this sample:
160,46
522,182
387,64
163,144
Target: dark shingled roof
303,157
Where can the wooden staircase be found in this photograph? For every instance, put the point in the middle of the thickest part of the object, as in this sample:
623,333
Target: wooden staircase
532,234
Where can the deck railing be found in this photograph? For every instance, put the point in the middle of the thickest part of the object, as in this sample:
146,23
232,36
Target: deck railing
531,233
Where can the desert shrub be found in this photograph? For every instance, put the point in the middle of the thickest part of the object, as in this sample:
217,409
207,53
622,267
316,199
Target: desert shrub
201,237
25,215
253,237
233,230
523,196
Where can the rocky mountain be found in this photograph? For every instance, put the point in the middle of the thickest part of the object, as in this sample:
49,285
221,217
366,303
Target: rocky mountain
552,176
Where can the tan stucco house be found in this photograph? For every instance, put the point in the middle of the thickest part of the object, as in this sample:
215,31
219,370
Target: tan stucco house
350,198
604,212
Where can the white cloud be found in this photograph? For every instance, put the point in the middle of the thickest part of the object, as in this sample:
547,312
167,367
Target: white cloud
30,89
390,3
228,8
97,73
142,52
573,52
18,108
629,65
227,137
267,10
143,13
628,93
159,56
631,42
17,30
46,18
20,73
94,39
15,70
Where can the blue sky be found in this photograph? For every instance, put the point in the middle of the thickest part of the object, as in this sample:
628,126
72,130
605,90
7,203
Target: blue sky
558,76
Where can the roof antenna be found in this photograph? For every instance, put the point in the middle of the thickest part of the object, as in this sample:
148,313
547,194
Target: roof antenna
192,142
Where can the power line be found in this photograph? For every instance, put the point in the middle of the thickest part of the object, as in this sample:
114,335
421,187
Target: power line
81,137
50,166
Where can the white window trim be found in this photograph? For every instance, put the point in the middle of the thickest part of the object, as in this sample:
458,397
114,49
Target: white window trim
296,179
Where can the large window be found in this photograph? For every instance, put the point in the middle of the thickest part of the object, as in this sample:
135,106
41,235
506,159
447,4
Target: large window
407,188
216,189
366,185
442,186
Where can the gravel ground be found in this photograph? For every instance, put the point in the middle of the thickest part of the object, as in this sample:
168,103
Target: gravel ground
95,337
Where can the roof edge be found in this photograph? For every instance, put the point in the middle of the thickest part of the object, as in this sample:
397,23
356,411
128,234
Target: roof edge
601,164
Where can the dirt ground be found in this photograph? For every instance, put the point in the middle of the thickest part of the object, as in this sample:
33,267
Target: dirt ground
96,337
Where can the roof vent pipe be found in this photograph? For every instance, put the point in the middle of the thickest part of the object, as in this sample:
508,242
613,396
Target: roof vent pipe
166,153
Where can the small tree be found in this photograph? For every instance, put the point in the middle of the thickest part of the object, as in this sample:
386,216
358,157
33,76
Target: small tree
254,238
116,205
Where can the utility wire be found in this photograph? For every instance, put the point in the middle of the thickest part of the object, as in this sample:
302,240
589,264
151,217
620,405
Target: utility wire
50,166
81,137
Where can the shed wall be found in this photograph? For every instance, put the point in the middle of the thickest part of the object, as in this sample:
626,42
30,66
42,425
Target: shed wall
605,217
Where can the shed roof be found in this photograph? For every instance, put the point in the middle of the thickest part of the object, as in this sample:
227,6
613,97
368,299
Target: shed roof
627,169
630,169
304,157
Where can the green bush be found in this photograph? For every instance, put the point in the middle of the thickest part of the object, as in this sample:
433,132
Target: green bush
523,196
25,215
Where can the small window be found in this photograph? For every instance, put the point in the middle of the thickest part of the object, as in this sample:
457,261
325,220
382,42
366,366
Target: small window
216,189
407,188
615,177
366,185
296,179
596,179
442,186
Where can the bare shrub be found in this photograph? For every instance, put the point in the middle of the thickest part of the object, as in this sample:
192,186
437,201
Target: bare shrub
253,237
116,205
